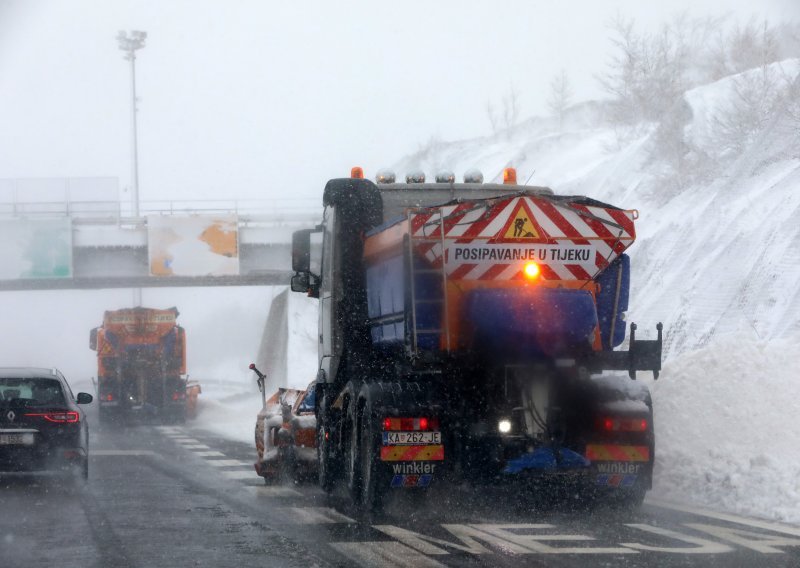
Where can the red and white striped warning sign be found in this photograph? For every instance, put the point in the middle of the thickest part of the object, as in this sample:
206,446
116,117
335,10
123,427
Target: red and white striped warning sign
493,240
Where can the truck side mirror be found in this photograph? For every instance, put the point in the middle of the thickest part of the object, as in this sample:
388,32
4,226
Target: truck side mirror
304,280
301,250
93,339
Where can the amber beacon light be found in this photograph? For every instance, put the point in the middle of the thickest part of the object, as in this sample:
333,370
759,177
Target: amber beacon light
510,176
356,172
531,270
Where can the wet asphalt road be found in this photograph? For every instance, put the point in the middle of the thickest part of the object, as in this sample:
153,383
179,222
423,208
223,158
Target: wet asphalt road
180,496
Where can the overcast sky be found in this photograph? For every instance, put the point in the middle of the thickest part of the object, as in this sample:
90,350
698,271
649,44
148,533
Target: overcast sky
261,99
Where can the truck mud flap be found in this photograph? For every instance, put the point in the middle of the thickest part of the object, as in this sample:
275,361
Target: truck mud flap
412,466
618,466
412,474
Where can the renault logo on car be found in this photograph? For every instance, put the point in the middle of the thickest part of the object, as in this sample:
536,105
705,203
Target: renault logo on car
11,416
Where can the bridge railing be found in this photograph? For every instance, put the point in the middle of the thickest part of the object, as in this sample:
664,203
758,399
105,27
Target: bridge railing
115,212
288,209
97,209
98,200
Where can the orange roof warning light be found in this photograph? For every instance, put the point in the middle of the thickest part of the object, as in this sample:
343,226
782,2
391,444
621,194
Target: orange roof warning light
357,172
531,270
510,176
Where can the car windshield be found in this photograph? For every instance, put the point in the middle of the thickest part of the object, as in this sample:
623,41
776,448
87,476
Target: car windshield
31,392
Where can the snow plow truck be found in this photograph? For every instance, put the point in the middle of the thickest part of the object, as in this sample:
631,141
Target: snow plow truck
285,433
141,366
468,333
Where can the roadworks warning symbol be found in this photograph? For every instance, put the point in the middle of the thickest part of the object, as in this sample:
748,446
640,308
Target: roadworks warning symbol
521,225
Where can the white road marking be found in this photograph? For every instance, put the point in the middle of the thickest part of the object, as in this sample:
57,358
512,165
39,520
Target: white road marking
227,463
384,554
702,546
211,454
508,538
537,542
238,473
105,453
169,428
186,441
767,525
195,447
273,491
313,515
763,543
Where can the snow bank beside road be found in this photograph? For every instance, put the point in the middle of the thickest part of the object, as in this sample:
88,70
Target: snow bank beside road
728,425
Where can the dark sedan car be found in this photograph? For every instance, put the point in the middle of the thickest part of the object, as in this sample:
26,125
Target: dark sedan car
41,425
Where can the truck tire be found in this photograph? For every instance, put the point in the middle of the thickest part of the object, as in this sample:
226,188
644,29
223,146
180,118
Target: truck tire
107,417
351,456
373,482
633,499
328,461
326,465
173,416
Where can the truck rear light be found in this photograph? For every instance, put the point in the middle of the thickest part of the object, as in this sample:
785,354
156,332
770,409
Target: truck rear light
410,424
178,396
109,397
68,417
357,172
609,424
510,176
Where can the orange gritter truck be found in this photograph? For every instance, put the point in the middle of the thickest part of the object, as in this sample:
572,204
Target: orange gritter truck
141,366
470,333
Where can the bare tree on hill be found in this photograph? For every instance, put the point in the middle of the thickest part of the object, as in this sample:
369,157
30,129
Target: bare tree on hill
560,97
491,114
511,110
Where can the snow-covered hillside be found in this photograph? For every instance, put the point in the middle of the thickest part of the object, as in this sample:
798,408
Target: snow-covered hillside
717,260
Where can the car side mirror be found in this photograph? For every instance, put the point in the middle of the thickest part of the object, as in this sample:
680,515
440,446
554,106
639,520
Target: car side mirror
93,339
84,398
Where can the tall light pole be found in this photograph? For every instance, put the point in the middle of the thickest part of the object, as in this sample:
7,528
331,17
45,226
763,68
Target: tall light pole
130,44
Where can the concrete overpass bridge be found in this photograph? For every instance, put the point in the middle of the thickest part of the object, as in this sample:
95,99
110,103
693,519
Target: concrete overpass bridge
91,244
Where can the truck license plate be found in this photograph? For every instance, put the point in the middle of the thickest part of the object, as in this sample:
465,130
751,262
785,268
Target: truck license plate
411,438
25,439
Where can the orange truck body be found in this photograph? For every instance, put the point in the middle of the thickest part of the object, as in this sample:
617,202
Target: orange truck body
141,364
